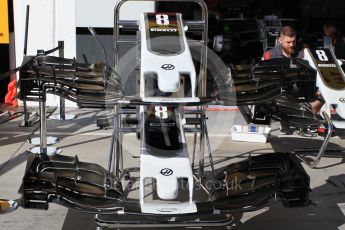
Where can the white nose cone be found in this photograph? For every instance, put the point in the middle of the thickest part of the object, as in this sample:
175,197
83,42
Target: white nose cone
167,188
168,81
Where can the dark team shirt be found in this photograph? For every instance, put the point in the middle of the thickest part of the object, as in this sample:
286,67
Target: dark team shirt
277,52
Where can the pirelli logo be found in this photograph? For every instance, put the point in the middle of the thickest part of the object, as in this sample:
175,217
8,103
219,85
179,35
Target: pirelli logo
162,30
327,65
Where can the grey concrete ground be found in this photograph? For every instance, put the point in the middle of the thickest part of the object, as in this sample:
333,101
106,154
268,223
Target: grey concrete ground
82,137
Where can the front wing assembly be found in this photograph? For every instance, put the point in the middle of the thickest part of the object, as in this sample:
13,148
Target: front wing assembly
241,186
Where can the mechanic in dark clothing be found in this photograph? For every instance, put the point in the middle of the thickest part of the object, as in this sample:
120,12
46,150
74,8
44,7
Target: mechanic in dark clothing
286,47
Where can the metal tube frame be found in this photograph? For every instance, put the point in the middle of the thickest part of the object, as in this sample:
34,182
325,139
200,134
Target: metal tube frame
208,146
62,116
43,149
116,149
43,128
53,140
112,144
61,45
195,136
119,162
26,114
202,152
62,108
323,147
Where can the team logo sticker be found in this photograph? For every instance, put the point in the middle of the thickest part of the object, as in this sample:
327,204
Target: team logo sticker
166,172
168,67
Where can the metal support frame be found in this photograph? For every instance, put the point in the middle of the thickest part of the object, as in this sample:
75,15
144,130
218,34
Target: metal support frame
26,114
62,116
43,127
43,148
323,147
202,151
197,129
50,140
204,142
117,148
209,151
133,25
115,164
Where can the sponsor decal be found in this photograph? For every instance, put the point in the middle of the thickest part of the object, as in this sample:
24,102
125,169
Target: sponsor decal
168,67
327,65
168,209
166,172
154,124
162,30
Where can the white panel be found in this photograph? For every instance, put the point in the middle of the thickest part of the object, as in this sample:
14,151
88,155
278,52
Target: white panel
65,26
92,13
50,21
40,26
133,10
66,30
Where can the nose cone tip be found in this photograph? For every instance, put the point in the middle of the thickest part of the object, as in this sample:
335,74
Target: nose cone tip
167,194
169,86
167,189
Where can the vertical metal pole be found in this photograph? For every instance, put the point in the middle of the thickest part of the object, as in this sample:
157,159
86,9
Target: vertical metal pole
62,108
202,85
203,75
203,64
26,114
61,45
120,139
116,141
112,144
43,128
43,139
202,154
62,116
120,155
209,148
26,29
194,150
